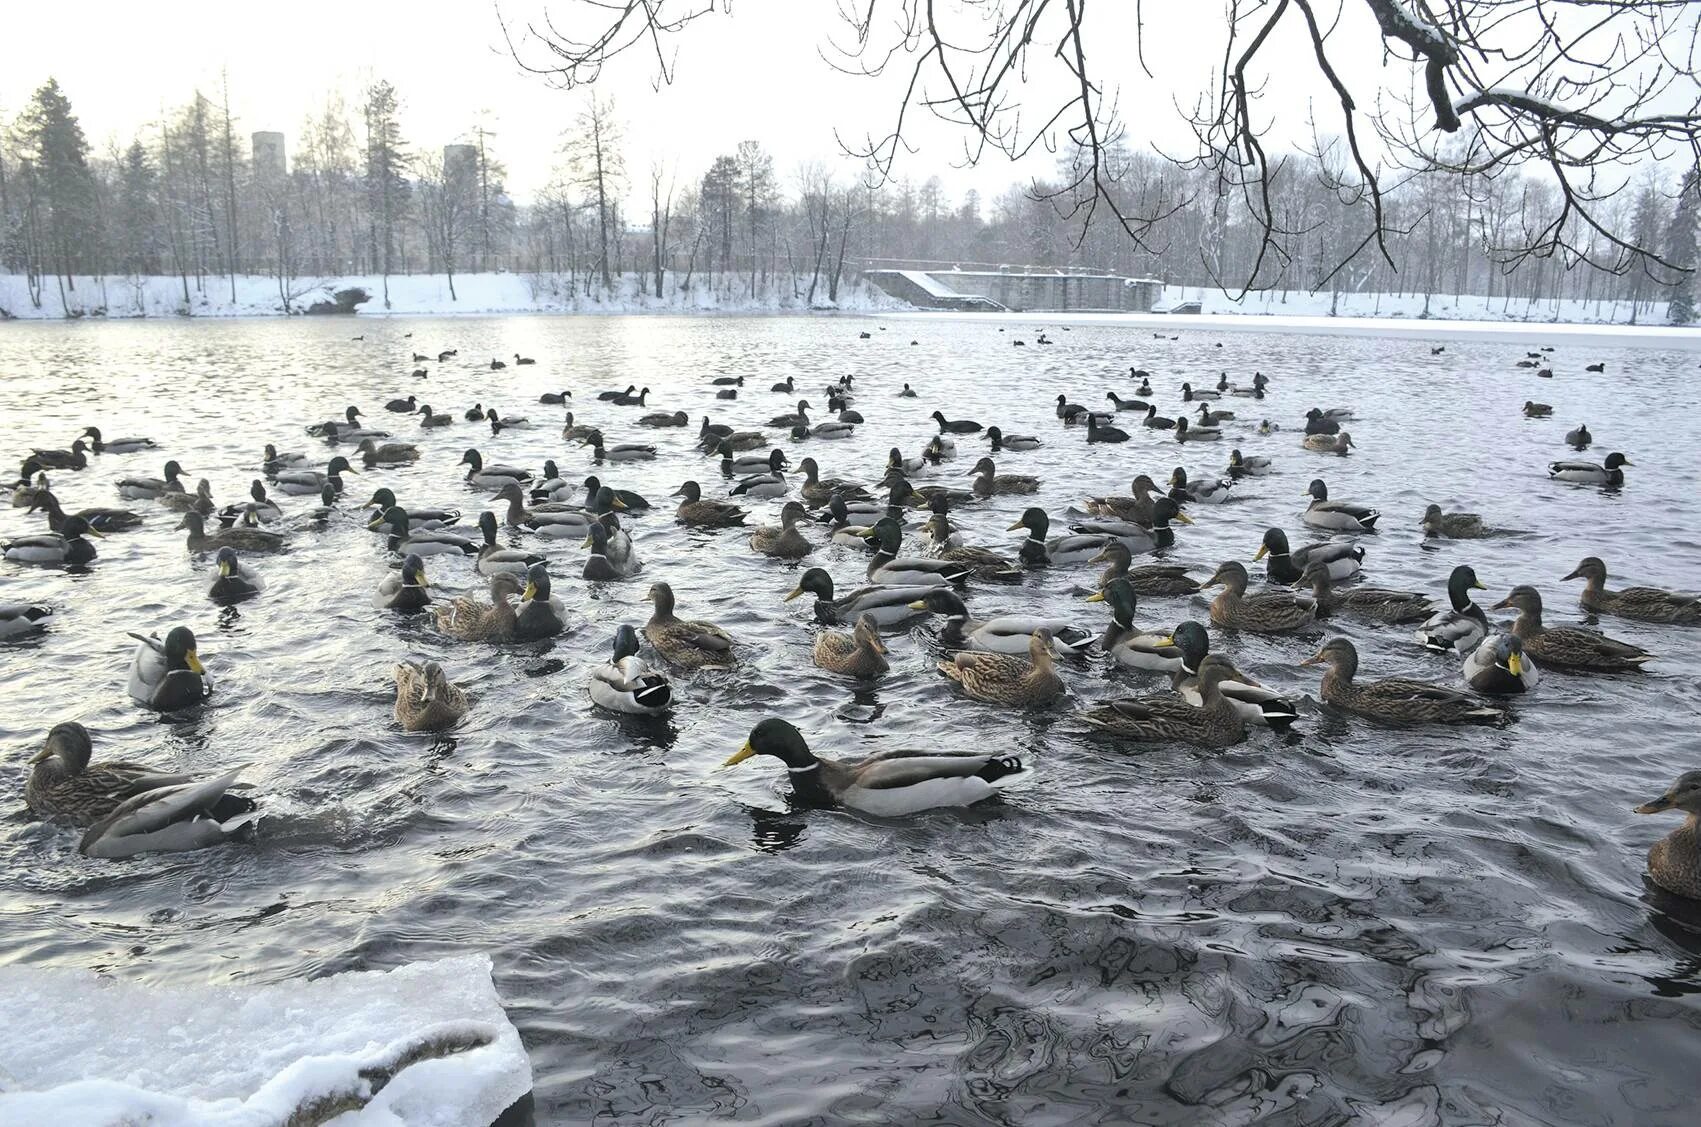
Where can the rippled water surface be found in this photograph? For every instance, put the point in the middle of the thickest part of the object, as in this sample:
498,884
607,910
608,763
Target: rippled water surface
1409,927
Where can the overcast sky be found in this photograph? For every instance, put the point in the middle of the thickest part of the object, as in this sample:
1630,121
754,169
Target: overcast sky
756,74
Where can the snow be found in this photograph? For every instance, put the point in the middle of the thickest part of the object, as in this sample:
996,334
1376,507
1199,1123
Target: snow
83,1049
928,285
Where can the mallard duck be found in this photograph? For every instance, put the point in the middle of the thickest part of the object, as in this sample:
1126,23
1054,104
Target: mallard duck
1205,492
150,488
491,476
886,566
1069,412
260,506
818,490
472,621
1170,719
1103,432
350,420
1119,404
955,426
1059,551
272,462
1318,423
1154,650
116,445
1534,410
626,684
687,643
200,501
384,499
1568,647
389,454
945,543
907,393
1453,526
1257,705
834,428
500,422
1137,538
493,558
665,419
600,566
860,653
887,605
1240,466
1588,473
1155,420
30,482
540,613
1002,442
1187,432
762,485
1269,613
621,499
405,541
785,540
773,461
68,547
1006,634
1341,515
627,399
1188,395
426,700
702,512
846,527
1498,666
430,418
1380,604
1286,567
475,413
231,581
574,432
1651,604
403,406
322,513
76,458
18,619
555,520
1395,700
1147,579
102,520
620,452
1136,509
888,784
999,678
798,418
298,483
1461,627
553,487
1674,862
1579,439
989,482
405,589
168,675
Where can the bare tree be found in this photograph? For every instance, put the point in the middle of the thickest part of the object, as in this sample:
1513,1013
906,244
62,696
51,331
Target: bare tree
661,217
599,168
449,203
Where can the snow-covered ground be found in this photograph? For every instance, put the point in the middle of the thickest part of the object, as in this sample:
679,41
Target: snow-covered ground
1441,307
82,1049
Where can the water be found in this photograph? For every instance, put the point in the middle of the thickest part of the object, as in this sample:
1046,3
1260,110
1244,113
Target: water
1429,926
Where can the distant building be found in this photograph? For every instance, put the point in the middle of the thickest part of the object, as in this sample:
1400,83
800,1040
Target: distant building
1019,288
460,162
269,158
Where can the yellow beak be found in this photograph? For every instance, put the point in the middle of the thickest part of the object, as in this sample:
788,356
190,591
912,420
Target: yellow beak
1095,597
919,604
193,662
1515,665
1183,518
1479,587
97,533
224,569
42,755
531,589
1014,527
587,543
793,595
742,754
1166,641
618,503
1263,550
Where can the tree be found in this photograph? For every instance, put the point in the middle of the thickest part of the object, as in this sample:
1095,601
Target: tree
495,219
661,217
326,161
57,183
138,206
756,190
449,199
599,170
1680,249
229,160
386,180
718,200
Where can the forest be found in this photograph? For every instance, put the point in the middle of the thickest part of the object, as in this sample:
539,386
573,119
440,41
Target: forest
200,199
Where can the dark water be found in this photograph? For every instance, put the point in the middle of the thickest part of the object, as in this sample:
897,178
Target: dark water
1354,924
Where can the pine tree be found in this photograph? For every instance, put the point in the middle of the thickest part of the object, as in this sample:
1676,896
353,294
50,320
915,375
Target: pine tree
138,202
1680,250
386,181
62,191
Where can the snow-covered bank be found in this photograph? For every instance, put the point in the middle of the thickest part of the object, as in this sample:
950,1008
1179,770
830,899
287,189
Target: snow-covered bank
424,1044
256,296
1415,307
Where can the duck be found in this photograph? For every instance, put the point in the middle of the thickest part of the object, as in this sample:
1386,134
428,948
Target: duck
1205,491
999,678
1104,432
474,414
553,487
1260,382
1272,612
298,483
426,700
1069,412
1147,579
575,432
1650,604
945,543
69,547
65,786
472,621
1136,509
101,519
200,501
322,513
1329,443
408,541
389,454
762,485
1187,433
702,512
832,428
385,498
129,445
1534,410
1395,700
232,582
1453,526
887,567
351,419
1002,442
1119,404
600,566
616,396
1240,466
1674,862
1499,667
151,488
687,643
1568,647
1058,551
1287,567
621,452
1169,718
260,506
1580,438
247,535
817,490
1377,603
838,405
540,613
618,548
493,558
626,684
786,540
1154,651
1156,421
492,476
1588,473
859,654
887,784
1005,634
18,619
498,423
271,462
405,589
665,419
76,458
1188,395
1138,538
845,527
403,406
1317,423
497,365
1461,627
1258,705
556,398
727,381
989,482
167,675
798,418
773,461
1343,515
907,393
621,499
955,426
31,480
888,605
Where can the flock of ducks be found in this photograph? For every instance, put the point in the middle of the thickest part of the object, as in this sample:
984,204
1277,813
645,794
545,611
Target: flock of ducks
918,565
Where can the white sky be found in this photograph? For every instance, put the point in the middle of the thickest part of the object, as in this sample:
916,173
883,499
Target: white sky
755,74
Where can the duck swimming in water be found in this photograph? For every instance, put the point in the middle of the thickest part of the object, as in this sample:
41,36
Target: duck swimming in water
1674,862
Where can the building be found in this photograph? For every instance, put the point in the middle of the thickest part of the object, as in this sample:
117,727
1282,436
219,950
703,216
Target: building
1019,289
460,163
269,160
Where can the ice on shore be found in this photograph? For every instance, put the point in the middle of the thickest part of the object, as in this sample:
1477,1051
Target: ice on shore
424,1045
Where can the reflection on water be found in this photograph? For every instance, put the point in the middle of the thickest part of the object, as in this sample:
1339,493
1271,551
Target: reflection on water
1406,927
